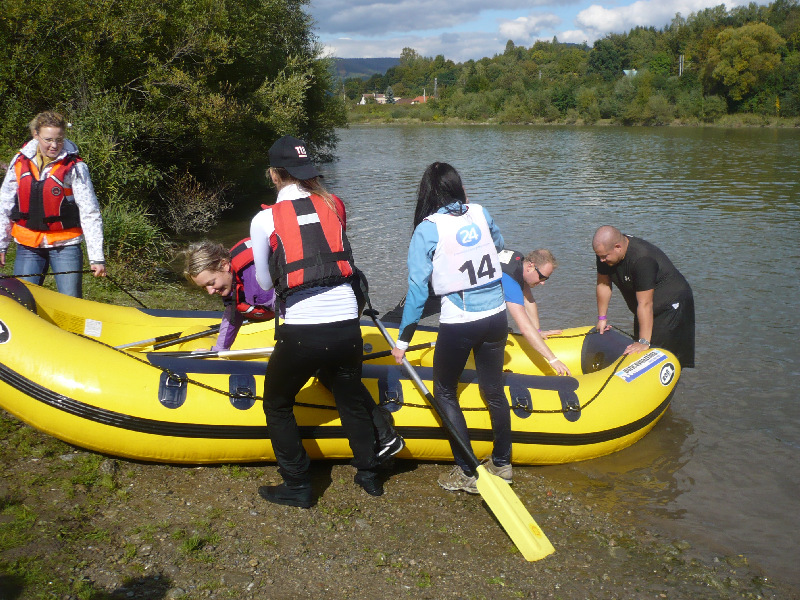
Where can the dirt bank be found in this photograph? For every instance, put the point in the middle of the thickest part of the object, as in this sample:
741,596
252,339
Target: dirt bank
78,525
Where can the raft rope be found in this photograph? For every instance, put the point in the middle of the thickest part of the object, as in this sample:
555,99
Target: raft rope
177,378
107,276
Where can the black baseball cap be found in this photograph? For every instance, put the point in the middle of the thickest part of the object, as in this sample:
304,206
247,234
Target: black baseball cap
290,153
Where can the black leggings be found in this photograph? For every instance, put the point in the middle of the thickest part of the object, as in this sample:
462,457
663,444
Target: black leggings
486,339
300,351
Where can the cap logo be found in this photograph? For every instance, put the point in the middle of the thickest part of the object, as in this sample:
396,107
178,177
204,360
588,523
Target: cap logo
301,151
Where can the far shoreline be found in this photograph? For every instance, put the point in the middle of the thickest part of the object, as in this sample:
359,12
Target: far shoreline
740,121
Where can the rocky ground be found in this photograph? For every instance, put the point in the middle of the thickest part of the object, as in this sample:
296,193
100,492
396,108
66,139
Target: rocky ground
78,525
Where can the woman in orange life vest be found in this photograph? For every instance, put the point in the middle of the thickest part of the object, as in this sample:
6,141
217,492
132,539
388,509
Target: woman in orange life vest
231,275
301,250
48,205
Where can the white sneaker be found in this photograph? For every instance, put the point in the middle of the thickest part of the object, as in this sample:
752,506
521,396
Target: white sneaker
456,480
503,472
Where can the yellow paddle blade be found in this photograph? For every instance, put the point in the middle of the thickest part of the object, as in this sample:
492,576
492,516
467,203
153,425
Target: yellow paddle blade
513,516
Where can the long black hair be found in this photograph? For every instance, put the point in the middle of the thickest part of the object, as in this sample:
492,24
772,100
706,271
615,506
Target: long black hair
441,185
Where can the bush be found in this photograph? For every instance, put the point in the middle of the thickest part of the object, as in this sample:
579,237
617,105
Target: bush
713,108
514,111
588,105
190,206
134,245
659,110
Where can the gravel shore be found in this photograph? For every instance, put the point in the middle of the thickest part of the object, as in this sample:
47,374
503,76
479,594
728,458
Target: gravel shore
79,525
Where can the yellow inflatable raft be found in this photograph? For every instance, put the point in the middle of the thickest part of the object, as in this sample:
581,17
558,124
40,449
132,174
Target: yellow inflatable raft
60,371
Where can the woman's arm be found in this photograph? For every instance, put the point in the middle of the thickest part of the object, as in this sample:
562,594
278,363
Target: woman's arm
261,228
89,210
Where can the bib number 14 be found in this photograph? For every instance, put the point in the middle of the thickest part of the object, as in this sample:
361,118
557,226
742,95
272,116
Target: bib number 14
485,269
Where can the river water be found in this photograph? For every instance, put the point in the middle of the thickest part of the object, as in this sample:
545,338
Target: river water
722,468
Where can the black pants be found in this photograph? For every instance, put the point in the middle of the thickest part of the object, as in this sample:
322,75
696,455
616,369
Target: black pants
299,352
673,330
381,418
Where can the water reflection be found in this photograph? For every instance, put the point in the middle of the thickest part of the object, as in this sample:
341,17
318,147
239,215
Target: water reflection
645,475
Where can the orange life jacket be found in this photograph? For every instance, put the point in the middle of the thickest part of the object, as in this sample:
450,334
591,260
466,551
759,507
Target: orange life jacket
309,246
47,204
44,208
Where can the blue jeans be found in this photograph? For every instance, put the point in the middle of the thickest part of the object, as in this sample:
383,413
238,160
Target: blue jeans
36,261
487,340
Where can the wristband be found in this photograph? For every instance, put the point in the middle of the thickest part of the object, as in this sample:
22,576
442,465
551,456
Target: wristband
539,330
601,317
555,360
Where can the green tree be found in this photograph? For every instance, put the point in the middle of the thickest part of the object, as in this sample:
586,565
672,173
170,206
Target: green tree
743,57
660,63
605,60
159,89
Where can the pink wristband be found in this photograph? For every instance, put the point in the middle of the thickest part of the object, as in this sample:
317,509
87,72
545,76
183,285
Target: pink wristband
602,318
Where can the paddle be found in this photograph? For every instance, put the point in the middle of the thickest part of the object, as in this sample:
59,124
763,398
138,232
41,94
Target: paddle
155,340
169,339
504,503
221,353
186,338
383,353
268,352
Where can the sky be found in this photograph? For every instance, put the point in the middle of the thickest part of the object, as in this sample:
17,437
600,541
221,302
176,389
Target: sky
466,29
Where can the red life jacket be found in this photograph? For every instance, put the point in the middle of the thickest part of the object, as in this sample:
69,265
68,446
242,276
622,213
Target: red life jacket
45,205
241,258
309,246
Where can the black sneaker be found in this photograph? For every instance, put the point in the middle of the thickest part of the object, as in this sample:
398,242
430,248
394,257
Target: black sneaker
371,483
300,496
390,449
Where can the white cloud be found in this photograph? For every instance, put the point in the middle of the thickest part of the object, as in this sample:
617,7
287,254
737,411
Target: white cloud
598,20
572,36
527,28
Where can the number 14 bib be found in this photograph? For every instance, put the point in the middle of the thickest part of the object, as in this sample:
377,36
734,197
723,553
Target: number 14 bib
465,256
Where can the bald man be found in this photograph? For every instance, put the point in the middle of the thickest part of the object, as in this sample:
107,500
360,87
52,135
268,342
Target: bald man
655,291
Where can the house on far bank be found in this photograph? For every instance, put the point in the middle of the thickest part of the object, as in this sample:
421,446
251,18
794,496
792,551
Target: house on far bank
379,98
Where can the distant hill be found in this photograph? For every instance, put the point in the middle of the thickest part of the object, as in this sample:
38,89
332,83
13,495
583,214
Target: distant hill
364,68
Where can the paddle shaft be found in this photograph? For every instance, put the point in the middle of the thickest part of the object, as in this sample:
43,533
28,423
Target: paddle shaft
186,338
384,353
267,351
412,373
155,340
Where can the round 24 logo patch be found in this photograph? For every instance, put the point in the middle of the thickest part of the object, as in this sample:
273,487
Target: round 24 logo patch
667,373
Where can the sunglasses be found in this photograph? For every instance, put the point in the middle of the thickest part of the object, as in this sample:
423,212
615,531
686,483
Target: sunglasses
539,273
